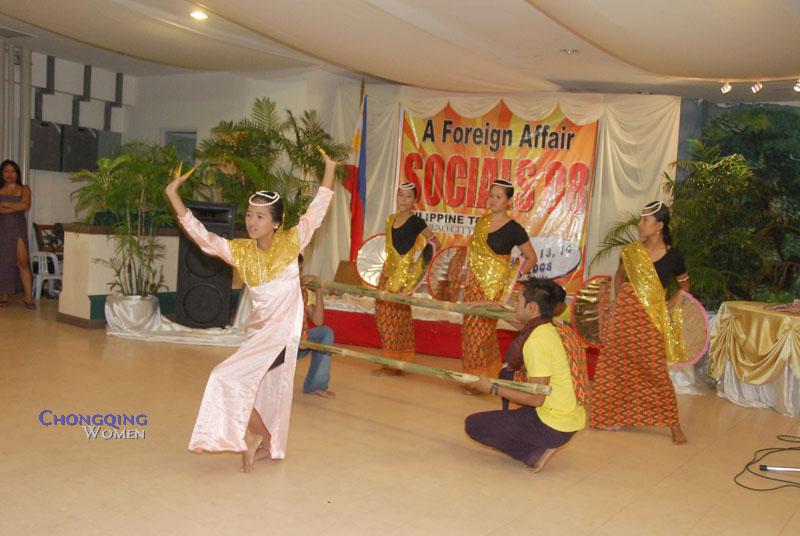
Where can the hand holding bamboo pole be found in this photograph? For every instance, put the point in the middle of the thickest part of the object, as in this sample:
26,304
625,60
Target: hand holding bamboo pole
461,377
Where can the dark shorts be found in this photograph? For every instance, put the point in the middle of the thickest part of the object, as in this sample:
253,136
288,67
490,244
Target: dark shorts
518,432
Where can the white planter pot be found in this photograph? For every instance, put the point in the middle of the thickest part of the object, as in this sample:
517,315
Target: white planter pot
131,314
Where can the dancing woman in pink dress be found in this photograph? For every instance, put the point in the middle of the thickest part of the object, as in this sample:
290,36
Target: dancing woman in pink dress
246,405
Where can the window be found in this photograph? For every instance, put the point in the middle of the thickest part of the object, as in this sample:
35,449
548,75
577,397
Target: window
184,142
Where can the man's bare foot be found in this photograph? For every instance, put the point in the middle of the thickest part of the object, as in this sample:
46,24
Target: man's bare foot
386,371
542,461
324,393
678,437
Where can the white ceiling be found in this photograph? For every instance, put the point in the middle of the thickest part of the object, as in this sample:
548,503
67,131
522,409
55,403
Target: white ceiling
681,47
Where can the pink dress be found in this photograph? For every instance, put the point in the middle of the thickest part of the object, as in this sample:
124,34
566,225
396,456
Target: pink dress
242,382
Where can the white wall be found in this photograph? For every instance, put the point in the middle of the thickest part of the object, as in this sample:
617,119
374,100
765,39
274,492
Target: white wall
50,196
192,102
200,101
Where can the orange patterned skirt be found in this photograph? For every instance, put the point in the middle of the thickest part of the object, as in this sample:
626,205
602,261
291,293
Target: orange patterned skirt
480,351
631,383
396,328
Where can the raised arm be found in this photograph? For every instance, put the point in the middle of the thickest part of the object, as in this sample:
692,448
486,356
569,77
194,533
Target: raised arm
313,217
210,243
172,188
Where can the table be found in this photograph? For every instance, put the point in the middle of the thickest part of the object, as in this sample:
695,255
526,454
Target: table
755,356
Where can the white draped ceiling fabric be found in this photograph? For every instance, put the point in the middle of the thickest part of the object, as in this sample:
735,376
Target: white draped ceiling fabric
637,142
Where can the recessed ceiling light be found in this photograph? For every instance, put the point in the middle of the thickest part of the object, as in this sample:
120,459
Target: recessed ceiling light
198,15
797,86
755,88
570,51
726,88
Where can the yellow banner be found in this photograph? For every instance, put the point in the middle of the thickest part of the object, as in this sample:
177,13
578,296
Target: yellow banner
453,161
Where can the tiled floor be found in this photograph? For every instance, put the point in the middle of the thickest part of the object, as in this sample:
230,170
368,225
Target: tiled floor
387,456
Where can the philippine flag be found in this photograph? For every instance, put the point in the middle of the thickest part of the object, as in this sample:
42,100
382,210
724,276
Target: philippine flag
355,180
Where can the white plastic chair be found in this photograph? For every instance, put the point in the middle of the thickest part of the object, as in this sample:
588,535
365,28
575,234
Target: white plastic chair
45,265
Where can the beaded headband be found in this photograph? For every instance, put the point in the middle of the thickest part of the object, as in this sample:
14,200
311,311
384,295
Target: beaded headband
649,210
271,197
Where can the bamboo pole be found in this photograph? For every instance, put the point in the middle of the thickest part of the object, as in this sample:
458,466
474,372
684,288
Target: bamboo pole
532,388
333,287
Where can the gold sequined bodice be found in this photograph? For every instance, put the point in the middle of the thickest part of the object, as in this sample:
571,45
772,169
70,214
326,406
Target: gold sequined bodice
494,272
256,266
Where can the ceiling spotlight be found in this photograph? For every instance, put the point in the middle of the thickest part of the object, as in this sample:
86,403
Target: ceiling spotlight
198,15
726,88
570,51
797,86
755,88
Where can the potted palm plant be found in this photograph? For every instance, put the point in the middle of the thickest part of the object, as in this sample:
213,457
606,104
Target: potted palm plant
127,192
267,152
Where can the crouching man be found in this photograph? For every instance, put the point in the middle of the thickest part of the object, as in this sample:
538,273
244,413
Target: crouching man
534,432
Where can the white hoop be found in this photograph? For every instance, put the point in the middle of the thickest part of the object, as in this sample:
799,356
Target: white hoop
271,197
652,210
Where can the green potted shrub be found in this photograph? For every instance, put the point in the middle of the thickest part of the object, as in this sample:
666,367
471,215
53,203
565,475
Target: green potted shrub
266,152
127,191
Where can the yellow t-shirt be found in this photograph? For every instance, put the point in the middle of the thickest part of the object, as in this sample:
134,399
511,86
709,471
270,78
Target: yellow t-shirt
544,356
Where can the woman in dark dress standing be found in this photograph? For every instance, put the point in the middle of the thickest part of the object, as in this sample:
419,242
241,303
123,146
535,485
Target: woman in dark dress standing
401,273
631,385
490,276
15,201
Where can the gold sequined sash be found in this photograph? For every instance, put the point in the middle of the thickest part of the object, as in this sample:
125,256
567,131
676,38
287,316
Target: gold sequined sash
643,276
256,266
403,272
493,272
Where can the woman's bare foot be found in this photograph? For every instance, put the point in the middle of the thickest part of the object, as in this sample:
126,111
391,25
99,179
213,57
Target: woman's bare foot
386,371
324,393
678,437
262,453
542,461
253,442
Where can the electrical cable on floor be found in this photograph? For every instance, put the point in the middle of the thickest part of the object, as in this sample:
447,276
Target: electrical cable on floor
759,456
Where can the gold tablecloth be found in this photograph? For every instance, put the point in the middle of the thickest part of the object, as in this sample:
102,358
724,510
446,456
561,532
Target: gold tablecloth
758,343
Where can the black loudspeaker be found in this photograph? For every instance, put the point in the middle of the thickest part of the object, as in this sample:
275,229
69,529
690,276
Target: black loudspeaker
107,143
45,146
204,282
78,148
